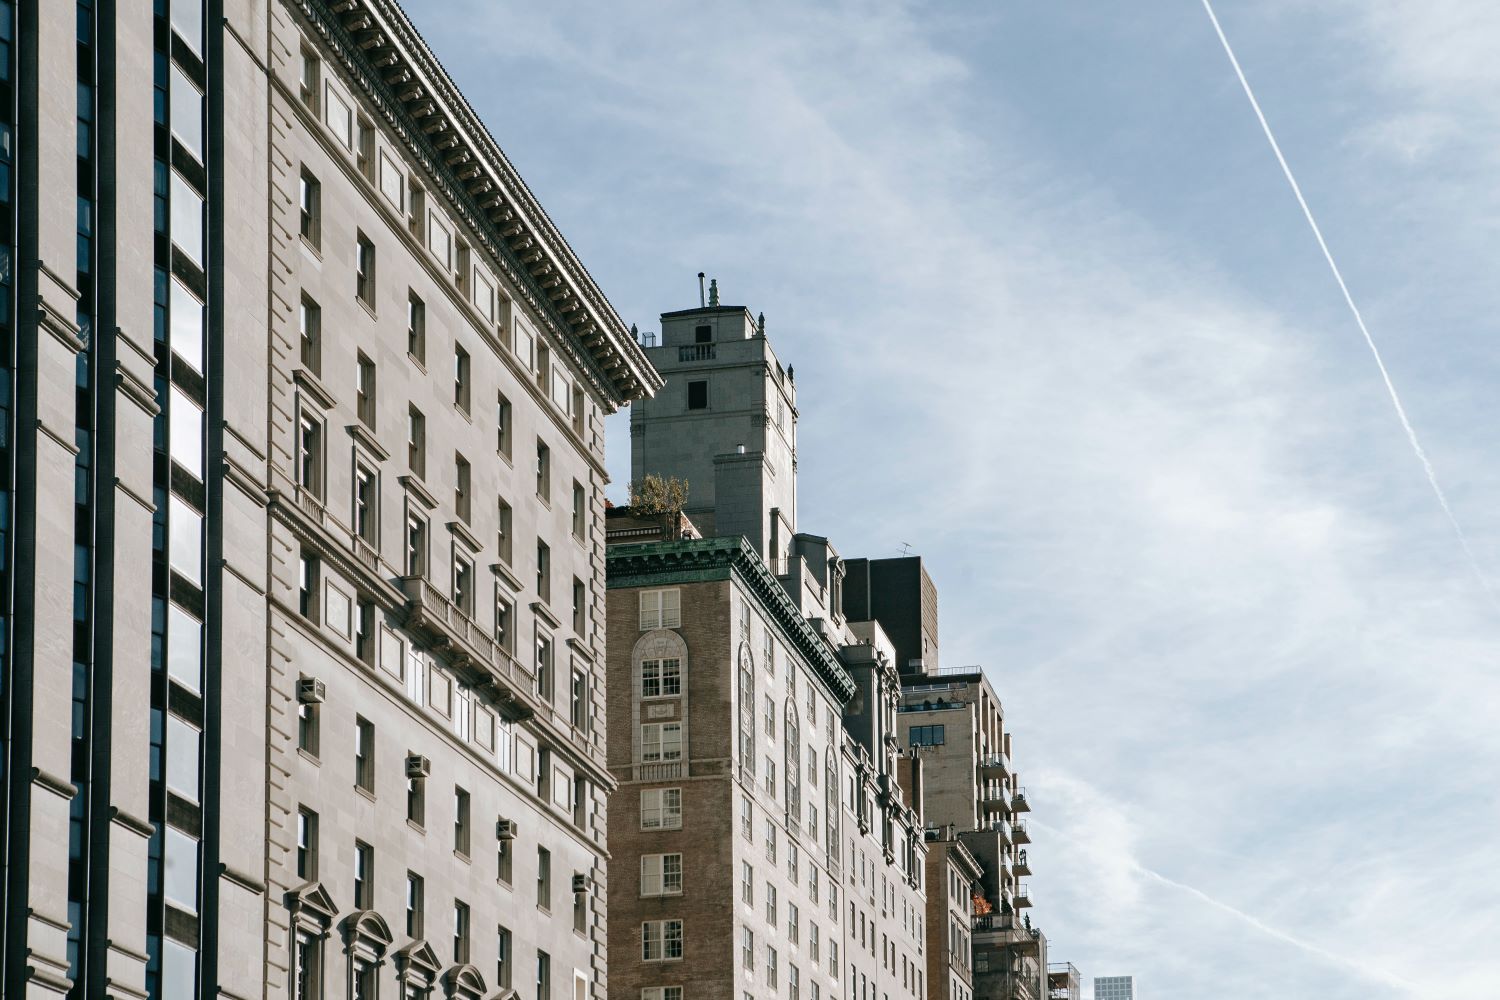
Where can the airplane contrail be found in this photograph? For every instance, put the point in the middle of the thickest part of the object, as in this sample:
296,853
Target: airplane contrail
1390,386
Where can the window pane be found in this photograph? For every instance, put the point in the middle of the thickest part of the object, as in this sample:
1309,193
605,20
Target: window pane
184,642
187,325
187,21
186,420
186,541
187,219
179,970
182,758
187,113
181,882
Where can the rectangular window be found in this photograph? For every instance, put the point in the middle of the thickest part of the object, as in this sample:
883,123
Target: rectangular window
580,608
416,545
503,959
461,378
579,703
503,855
310,208
416,441
770,840
771,907
505,632
307,84
662,993
771,966
414,892
543,471
793,923
461,821
747,818
416,327
543,976
660,609
661,678
307,845
364,148
416,800
460,931
366,505
544,878
503,529
307,586
364,876
661,874
580,511
697,395
747,950
364,630
502,424
543,665
661,741
463,490
310,455
364,270
661,809
661,940
364,391
747,884
364,754
544,571
928,736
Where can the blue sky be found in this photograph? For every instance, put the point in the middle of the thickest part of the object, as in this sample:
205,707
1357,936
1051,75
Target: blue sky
1058,324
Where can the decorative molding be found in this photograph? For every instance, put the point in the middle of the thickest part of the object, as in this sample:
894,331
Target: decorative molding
506,576
461,531
313,386
136,825
377,46
415,488
545,614
366,440
704,560
135,390
53,783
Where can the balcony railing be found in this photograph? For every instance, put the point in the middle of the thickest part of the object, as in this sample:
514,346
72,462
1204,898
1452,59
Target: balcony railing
1018,803
1021,897
1022,866
1019,833
696,352
461,640
665,770
996,764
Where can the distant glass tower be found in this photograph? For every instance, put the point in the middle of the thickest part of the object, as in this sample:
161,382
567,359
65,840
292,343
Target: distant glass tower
1114,988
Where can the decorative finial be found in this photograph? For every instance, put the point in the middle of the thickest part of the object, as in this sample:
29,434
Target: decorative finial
791,373
761,323
635,334
713,291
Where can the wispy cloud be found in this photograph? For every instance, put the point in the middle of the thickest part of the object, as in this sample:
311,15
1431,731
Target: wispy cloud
1073,345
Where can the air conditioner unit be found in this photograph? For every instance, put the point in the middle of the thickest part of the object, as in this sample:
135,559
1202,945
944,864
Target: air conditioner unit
580,882
505,829
311,691
417,766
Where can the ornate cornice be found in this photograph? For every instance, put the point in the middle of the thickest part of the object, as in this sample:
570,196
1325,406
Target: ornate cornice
381,50
703,560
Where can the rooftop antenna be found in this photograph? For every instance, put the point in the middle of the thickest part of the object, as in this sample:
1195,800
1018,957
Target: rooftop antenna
701,301
905,549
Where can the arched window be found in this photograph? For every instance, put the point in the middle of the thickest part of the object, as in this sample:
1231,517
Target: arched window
747,715
793,765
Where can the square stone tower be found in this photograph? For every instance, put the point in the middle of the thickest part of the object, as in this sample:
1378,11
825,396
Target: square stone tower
726,423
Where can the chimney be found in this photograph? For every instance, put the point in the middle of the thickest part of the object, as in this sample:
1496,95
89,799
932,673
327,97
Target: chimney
700,290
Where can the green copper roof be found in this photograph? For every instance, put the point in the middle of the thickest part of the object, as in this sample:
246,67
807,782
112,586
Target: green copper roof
704,560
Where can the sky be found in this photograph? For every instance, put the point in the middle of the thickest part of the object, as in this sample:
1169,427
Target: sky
1060,327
